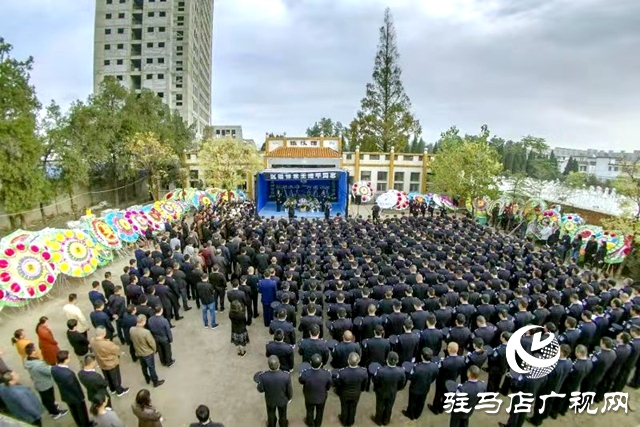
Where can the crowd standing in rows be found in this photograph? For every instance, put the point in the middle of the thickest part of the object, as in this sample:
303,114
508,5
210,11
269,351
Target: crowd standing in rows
384,302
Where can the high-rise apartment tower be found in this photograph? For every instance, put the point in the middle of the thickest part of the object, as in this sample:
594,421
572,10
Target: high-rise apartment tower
161,45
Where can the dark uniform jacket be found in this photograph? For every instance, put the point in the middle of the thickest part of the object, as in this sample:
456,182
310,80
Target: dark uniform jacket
276,386
316,384
388,380
284,352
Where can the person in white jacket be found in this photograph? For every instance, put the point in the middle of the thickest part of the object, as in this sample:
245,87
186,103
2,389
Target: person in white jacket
72,311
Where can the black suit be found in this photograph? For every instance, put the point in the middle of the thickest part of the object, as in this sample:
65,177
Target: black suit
94,383
387,381
284,352
450,369
71,393
350,383
79,342
276,386
315,385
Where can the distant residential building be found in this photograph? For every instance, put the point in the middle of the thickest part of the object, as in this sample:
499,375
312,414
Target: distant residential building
602,164
227,131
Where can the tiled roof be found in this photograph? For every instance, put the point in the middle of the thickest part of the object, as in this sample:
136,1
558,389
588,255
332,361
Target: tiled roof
304,152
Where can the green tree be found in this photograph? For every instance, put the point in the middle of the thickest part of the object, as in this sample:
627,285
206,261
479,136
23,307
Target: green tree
227,161
571,166
325,127
576,180
152,155
22,179
467,167
417,145
385,119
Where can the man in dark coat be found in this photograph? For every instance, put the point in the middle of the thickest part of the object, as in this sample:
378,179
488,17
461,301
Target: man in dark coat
387,381
276,386
350,382
70,390
422,375
316,383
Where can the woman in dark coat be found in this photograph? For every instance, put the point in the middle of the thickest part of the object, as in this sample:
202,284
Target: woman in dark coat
239,334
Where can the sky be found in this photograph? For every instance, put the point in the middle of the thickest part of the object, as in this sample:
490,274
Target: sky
564,70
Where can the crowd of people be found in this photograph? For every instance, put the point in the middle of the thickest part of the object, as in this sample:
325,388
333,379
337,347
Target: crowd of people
387,303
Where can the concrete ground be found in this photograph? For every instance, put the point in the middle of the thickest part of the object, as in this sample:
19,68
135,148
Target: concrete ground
209,372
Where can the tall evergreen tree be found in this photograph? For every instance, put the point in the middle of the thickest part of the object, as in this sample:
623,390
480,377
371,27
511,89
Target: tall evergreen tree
22,179
571,166
385,119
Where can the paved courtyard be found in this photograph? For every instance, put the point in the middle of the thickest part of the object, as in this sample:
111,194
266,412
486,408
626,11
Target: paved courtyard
209,372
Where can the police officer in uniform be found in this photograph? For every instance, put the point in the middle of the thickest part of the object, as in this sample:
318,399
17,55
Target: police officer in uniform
350,382
582,367
408,343
603,360
387,381
276,386
472,387
422,375
340,353
450,369
282,350
316,383
313,345
497,365
554,384
478,357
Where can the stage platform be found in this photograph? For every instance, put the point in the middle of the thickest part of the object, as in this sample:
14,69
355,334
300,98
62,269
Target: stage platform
269,210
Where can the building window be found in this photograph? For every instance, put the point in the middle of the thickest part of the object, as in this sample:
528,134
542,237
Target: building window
163,14
179,97
415,177
383,175
374,157
151,14
161,94
120,30
107,62
160,76
419,158
162,29
107,47
414,188
193,174
179,48
348,157
109,1
398,177
382,186
149,76
149,29
119,78
178,103
161,44
365,175
120,46
149,60
398,186
610,168
123,1
107,16
408,158
150,45
615,169
160,60
121,16
120,62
